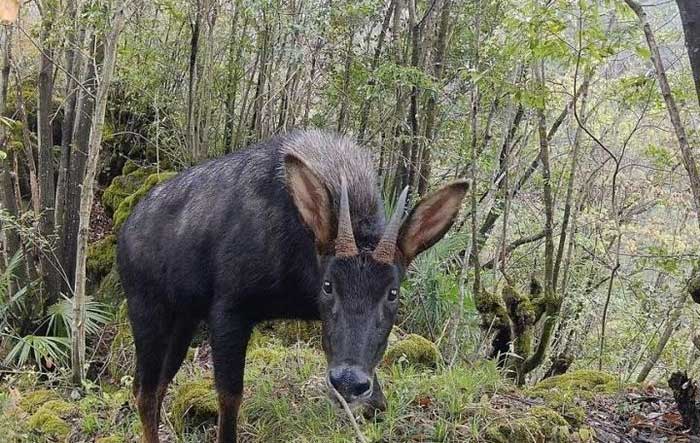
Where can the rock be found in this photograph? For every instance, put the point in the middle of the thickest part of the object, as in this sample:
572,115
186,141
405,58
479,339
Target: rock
413,350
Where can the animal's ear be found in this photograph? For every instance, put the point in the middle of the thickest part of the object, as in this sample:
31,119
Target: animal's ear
430,219
311,198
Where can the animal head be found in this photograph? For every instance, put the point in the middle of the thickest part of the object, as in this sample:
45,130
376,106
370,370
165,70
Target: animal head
359,291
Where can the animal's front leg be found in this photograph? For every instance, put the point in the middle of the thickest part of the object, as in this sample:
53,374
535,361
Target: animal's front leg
229,339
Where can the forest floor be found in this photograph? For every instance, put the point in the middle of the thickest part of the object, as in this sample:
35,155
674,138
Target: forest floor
285,401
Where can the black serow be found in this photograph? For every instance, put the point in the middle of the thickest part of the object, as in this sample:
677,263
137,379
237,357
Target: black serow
291,228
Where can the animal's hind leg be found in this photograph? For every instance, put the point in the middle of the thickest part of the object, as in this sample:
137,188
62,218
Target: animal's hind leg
151,340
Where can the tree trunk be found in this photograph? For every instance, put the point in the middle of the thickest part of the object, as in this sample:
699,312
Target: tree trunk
345,93
685,392
431,106
671,325
551,300
87,191
686,152
8,199
84,110
71,100
690,17
364,112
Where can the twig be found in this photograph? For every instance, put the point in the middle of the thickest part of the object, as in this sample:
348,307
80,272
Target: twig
360,436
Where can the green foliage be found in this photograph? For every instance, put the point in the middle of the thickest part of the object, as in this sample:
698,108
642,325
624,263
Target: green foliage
60,316
39,348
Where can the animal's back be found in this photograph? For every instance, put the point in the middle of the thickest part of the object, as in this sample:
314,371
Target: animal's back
228,227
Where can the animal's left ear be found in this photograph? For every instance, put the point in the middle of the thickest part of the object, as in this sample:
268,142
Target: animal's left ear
430,219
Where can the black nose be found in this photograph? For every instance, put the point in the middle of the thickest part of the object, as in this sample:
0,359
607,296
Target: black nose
350,382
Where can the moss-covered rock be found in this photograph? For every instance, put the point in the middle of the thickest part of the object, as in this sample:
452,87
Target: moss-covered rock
414,350
539,425
101,256
31,402
127,204
124,185
49,419
194,403
584,383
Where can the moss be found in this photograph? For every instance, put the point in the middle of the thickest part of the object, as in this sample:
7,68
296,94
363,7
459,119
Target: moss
48,420
194,404
520,308
129,167
492,309
31,402
540,425
563,393
584,435
124,185
110,288
290,332
584,382
127,204
110,439
101,256
414,350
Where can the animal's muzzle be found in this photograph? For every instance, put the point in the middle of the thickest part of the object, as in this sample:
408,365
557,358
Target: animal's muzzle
351,382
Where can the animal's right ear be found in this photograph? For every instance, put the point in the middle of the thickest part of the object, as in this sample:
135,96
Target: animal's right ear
312,199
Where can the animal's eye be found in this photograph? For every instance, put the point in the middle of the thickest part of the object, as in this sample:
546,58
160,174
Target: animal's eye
393,293
327,287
